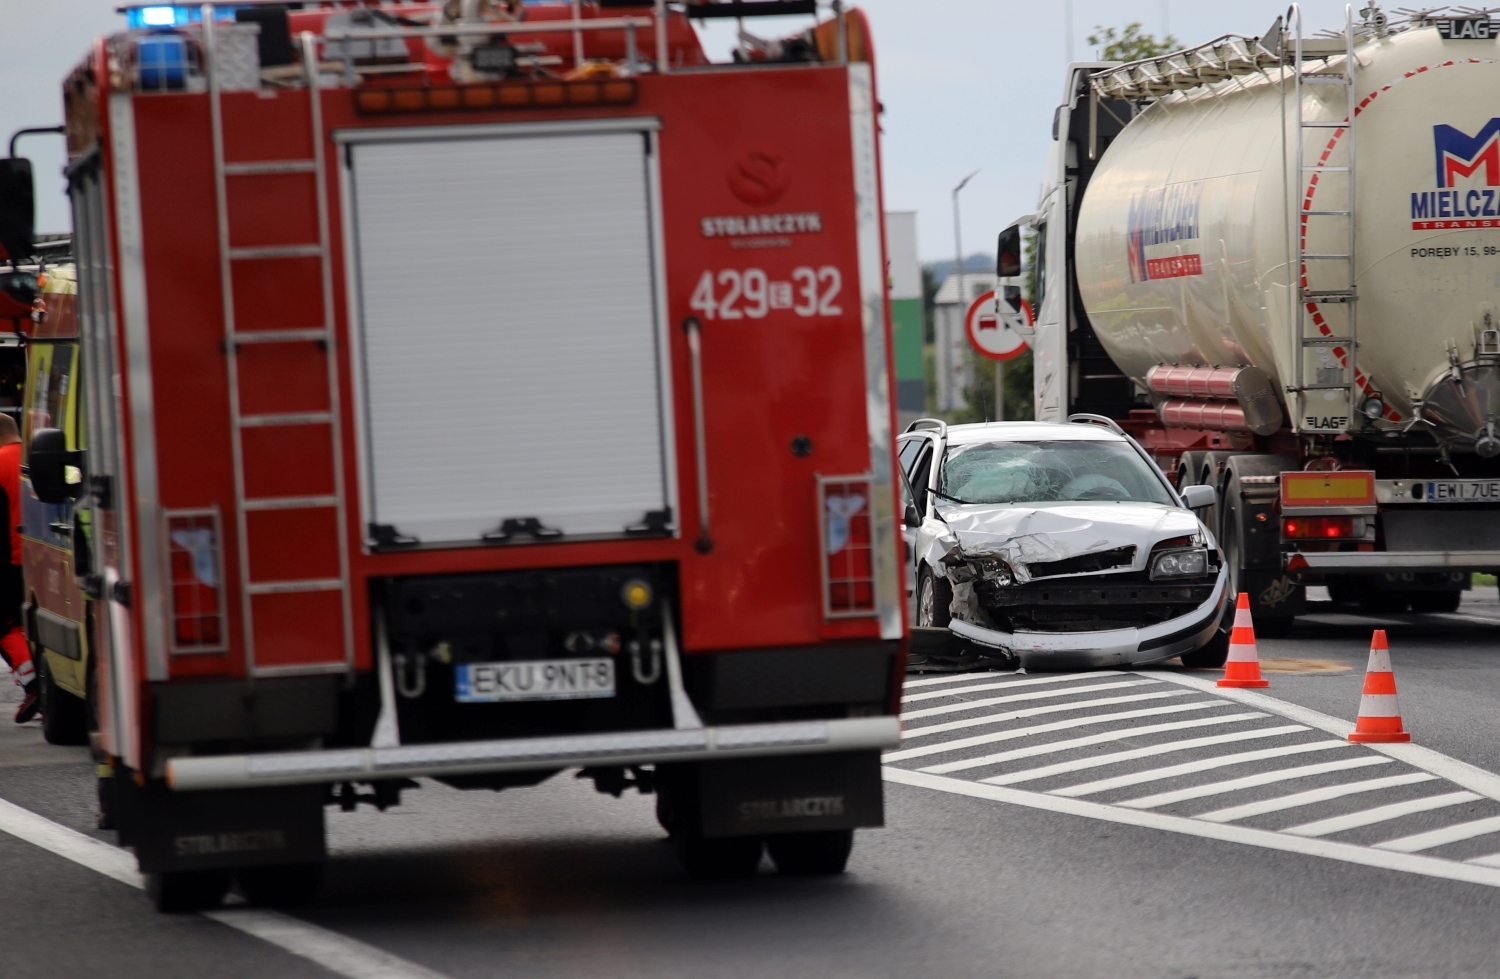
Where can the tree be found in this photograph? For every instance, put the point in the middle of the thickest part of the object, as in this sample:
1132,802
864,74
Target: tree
1130,44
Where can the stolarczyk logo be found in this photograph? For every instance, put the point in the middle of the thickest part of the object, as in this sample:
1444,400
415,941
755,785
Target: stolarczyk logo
759,177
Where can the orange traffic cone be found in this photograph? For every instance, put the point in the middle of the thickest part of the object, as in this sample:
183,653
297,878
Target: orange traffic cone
1379,716
1242,669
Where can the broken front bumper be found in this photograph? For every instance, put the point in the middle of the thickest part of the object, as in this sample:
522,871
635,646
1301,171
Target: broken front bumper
1109,647
530,754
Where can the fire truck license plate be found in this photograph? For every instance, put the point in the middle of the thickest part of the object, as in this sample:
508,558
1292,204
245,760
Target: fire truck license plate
1458,491
546,679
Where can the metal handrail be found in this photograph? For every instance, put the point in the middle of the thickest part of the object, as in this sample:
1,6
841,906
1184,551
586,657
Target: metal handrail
694,329
934,424
508,27
1088,418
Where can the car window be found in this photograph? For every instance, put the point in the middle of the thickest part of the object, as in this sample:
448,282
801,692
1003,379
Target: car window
1048,472
909,450
919,477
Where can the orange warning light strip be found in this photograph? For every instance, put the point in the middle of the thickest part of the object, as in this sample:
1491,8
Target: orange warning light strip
526,95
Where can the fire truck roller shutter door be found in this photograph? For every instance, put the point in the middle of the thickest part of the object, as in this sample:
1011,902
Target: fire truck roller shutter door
507,293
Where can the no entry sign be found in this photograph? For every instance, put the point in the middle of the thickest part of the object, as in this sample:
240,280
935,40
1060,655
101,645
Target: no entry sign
988,333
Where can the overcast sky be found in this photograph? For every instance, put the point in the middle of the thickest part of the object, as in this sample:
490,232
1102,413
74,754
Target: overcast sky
967,84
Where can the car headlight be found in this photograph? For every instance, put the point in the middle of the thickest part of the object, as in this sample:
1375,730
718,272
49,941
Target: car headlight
994,569
1174,564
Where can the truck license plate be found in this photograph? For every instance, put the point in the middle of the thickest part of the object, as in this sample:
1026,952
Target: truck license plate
1458,491
546,679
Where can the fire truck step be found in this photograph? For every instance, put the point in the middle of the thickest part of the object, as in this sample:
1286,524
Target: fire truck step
280,336
291,418
277,251
291,503
270,166
285,587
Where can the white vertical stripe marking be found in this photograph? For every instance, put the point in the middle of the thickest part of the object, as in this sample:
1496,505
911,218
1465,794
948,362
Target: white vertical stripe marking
1092,739
1204,765
1311,796
1381,814
1250,782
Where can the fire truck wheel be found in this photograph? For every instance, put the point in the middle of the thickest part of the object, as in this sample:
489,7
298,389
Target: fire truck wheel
1209,656
1436,601
811,854
281,886
934,596
719,859
187,890
64,716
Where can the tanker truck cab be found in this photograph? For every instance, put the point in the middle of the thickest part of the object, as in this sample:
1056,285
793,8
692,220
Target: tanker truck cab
1062,545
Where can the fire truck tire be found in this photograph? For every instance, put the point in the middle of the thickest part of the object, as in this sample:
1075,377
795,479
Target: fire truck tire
727,858
187,890
284,886
1211,655
934,596
811,854
64,717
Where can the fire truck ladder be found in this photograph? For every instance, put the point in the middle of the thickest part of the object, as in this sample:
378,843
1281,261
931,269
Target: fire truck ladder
1335,271
226,174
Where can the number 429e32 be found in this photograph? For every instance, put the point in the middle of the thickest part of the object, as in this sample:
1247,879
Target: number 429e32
732,294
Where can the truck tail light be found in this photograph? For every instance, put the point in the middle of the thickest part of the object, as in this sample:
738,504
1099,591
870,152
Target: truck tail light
195,591
848,556
1322,528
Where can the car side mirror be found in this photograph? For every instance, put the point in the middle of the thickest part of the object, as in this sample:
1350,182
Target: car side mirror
1197,497
48,465
17,208
913,519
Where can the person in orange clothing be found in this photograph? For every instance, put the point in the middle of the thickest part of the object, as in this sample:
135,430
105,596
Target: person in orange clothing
13,644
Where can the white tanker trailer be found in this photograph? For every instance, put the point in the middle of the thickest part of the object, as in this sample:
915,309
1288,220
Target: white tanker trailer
1276,262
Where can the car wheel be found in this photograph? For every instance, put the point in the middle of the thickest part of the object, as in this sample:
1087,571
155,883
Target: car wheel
187,890
1436,601
934,596
1211,655
64,716
729,858
811,854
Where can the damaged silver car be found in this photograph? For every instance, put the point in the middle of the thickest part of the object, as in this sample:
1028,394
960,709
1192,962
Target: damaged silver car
1060,545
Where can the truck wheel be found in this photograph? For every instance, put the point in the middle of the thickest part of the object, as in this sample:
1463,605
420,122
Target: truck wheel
187,890
729,858
1436,601
1211,655
811,854
64,716
283,886
934,596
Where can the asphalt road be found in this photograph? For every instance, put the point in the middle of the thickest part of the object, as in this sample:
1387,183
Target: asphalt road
991,867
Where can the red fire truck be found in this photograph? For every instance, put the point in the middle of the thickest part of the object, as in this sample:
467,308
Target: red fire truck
478,391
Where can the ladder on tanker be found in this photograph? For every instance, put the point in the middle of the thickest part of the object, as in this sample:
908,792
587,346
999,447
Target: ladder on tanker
295,602
1332,336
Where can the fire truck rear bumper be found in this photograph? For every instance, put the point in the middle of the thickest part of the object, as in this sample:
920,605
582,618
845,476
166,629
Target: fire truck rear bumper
530,754
1366,562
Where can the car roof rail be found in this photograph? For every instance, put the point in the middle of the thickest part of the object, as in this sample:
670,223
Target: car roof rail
1085,418
936,424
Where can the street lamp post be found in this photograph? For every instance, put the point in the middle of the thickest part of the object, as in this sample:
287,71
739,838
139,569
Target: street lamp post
958,253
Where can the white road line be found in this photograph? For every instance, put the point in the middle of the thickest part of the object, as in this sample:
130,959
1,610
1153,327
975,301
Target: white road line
1492,860
1072,722
1411,863
1460,772
1251,781
1381,814
1311,796
1083,742
334,952
1002,685
1013,698
1097,761
931,681
908,733
1442,837
1203,765
1027,682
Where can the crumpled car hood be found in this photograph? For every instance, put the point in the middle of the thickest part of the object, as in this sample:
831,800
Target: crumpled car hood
1023,535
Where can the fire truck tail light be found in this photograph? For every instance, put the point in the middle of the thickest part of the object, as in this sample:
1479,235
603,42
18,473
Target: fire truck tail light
1322,528
848,556
512,95
195,585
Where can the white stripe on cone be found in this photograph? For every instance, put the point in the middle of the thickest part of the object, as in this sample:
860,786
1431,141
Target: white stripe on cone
1243,652
1380,661
1378,705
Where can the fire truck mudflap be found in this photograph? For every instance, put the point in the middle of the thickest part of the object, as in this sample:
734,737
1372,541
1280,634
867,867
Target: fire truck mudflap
454,418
